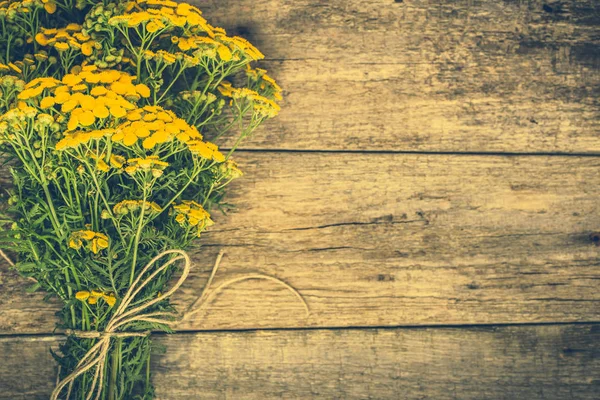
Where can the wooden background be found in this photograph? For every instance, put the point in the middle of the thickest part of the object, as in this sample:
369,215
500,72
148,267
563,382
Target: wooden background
429,188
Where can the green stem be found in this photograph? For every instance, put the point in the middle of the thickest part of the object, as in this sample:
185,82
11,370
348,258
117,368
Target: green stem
170,85
137,238
147,373
113,372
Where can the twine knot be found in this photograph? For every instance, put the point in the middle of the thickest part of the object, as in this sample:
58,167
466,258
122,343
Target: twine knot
97,356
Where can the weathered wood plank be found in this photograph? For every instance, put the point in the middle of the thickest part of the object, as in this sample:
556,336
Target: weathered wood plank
421,75
527,362
388,240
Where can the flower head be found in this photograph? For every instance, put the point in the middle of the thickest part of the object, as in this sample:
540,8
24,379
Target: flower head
94,241
93,296
192,215
130,206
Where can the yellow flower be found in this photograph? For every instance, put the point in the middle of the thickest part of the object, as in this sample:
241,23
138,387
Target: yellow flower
154,25
72,27
62,97
150,163
206,150
41,56
110,299
191,214
166,3
102,166
168,58
117,161
87,102
87,48
150,124
73,140
87,118
41,39
118,112
96,241
82,295
50,7
143,90
75,243
79,88
184,9
99,91
14,67
72,80
128,206
93,296
229,170
47,102
224,53
61,46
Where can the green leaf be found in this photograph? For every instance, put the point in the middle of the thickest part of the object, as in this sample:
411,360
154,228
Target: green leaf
34,287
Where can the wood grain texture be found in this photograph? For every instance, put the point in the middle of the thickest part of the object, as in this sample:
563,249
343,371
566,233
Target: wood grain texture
427,75
388,240
527,362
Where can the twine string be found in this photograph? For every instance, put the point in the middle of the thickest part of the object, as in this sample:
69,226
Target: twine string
12,264
7,258
97,356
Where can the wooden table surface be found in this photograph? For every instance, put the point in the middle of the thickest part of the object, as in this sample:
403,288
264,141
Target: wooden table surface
429,188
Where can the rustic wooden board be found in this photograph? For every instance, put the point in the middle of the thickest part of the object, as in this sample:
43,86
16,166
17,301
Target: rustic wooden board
391,239
526,362
425,75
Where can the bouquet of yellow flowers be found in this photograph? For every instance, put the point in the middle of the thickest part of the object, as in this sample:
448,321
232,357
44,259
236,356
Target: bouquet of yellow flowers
109,115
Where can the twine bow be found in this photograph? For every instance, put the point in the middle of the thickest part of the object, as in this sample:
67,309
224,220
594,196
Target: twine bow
98,354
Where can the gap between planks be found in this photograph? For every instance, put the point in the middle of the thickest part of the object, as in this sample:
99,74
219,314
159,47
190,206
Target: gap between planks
408,327
417,152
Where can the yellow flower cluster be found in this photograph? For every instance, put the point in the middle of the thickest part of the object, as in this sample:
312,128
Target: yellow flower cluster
74,139
28,63
260,75
115,161
190,213
128,206
207,150
150,163
153,125
171,58
162,15
88,94
96,241
262,105
10,67
12,7
36,87
218,43
240,44
209,46
67,38
93,296
229,170
166,14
